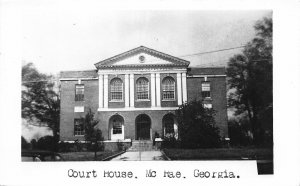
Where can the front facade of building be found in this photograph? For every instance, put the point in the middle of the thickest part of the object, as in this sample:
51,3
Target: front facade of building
134,95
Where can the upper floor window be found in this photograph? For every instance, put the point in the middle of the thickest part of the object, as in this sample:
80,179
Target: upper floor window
168,86
78,127
116,89
142,89
205,90
79,92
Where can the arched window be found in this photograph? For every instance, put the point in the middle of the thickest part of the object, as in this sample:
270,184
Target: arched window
168,121
116,89
142,88
168,86
116,127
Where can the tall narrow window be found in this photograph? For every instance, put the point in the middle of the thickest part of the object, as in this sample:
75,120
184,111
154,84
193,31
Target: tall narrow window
205,90
117,126
116,89
168,122
79,92
78,127
168,86
142,89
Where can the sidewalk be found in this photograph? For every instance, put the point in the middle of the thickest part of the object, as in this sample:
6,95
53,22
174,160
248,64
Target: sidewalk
140,156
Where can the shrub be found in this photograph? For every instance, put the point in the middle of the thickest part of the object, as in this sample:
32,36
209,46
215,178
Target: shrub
47,143
196,126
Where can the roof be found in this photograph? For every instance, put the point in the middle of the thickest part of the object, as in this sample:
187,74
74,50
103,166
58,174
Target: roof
110,61
79,74
207,71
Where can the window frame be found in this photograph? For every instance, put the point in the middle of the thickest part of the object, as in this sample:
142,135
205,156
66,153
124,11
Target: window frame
137,91
206,94
122,90
164,91
118,128
77,97
79,132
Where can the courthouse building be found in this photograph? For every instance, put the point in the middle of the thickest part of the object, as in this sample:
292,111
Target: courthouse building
134,95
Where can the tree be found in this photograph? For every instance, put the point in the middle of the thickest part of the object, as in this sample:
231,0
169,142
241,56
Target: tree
40,100
238,131
93,135
251,79
196,126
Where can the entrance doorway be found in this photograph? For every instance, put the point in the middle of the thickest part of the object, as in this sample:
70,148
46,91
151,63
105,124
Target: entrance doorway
143,127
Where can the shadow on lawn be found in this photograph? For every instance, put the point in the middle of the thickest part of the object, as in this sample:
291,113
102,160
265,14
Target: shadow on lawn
264,156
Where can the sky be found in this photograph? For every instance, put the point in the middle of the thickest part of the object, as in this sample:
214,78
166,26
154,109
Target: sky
58,39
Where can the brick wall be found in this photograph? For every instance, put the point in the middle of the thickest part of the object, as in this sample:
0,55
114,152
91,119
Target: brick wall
218,98
68,103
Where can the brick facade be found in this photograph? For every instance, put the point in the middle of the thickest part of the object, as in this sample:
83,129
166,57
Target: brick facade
154,109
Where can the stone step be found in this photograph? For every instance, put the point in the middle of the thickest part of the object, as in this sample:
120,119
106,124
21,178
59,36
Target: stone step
143,145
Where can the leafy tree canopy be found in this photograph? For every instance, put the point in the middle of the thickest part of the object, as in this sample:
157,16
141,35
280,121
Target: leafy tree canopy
39,98
251,77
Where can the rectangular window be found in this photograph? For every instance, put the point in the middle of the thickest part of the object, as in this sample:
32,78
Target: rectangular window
143,91
78,127
79,92
168,86
116,89
205,90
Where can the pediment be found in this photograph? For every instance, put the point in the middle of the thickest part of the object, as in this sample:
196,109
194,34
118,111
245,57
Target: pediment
141,57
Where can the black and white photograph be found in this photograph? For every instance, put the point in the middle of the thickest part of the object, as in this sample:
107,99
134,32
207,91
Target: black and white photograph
196,86
146,86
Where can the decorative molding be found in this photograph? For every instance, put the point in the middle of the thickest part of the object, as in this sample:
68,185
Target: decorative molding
108,63
142,71
135,109
76,79
202,76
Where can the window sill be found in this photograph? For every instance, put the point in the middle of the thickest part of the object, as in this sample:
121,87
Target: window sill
142,100
168,100
116,101
79,135
207,98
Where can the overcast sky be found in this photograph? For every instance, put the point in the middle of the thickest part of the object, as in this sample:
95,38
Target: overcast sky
58,39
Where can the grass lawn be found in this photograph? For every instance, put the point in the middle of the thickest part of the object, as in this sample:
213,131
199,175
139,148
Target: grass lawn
220,154
86,156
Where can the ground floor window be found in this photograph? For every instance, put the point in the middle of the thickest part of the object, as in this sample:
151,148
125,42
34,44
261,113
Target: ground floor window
78,127
116,127
168,122
170,127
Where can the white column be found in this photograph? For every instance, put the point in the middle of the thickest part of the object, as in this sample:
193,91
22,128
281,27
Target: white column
126,90
152,90
184,90
131,82
179,89
158,90
105,91
100,91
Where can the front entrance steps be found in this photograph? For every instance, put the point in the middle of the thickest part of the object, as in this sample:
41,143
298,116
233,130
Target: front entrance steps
142,145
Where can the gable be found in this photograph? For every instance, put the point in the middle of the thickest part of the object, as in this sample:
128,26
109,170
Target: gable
141,56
